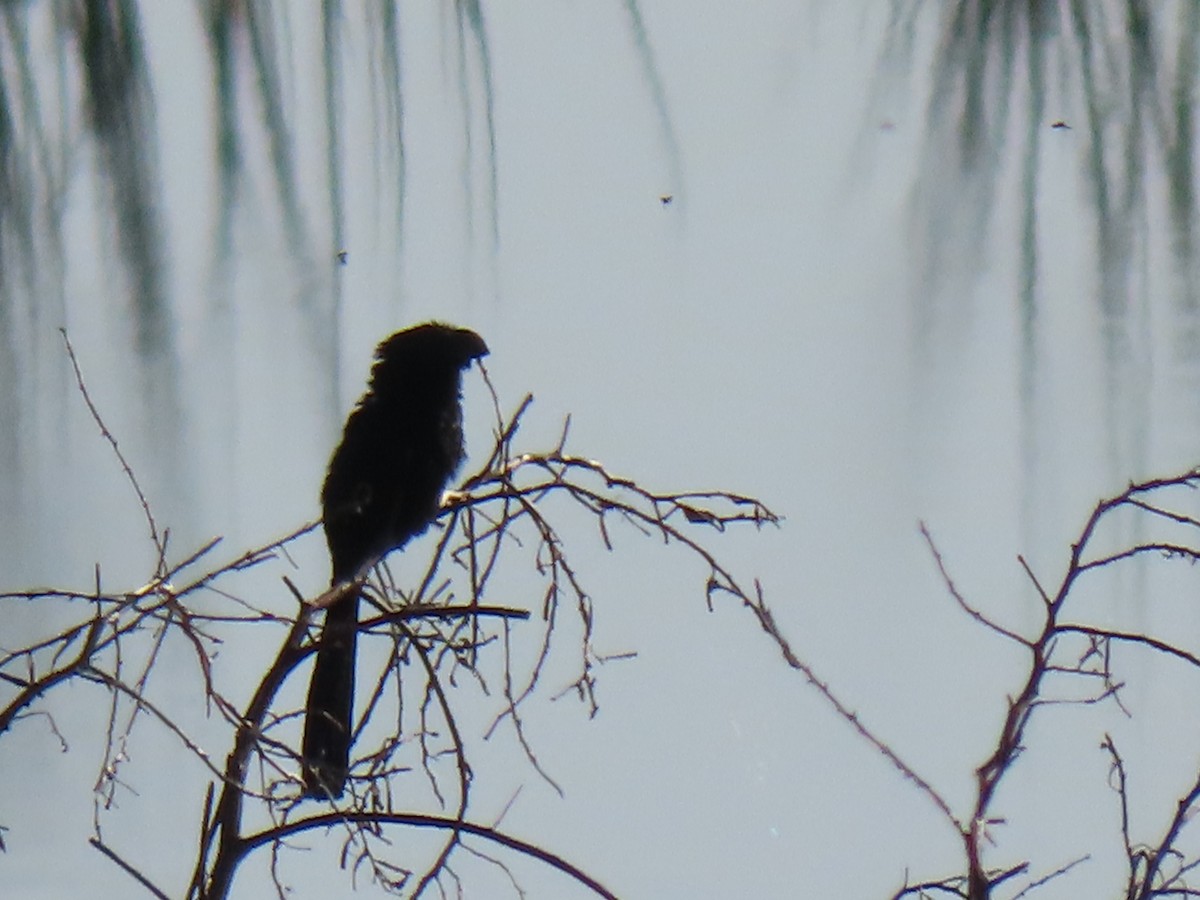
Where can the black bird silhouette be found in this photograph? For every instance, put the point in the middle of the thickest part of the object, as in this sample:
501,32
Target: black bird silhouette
401,445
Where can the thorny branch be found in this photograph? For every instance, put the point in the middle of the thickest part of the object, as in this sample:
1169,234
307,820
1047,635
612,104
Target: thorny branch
424,725
497,531
1156,869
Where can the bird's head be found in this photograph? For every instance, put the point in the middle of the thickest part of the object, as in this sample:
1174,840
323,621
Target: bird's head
428,348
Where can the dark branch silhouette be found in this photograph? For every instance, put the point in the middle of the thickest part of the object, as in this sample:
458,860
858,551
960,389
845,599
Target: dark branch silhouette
501,521
401,445
501,526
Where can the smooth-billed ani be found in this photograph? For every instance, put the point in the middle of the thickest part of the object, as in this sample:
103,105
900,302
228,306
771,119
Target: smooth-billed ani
401,445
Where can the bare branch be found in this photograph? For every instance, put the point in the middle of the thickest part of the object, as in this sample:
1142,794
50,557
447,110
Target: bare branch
159,541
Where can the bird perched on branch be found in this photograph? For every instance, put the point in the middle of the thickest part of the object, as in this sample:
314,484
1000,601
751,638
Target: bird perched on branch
401,445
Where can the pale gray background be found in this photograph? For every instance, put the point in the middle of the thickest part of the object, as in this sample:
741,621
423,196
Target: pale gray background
886,291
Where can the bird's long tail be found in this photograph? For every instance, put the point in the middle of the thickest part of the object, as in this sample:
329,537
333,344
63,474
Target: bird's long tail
328,713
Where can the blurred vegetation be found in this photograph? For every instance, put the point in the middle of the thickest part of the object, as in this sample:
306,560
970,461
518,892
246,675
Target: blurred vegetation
79,124
1031,110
